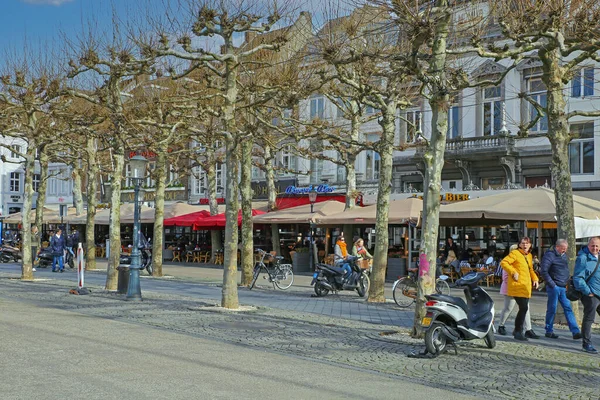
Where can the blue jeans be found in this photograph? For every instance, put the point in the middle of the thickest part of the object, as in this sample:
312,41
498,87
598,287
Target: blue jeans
347,269
58,259
555,295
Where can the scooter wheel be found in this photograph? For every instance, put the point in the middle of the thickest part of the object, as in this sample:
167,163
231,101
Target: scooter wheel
435,340
490,339
321,290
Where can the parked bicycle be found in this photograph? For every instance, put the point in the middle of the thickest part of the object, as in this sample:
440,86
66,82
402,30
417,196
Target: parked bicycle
280,275
404,289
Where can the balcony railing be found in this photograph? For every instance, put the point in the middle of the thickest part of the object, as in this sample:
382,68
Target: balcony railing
467,145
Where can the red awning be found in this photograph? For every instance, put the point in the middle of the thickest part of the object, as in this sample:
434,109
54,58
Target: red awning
187,219
218,221
284,202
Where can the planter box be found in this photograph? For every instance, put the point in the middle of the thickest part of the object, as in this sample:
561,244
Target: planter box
301,262
396,267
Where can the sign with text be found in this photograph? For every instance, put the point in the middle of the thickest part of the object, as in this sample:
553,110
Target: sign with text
305,190
260,190
170,195
449,197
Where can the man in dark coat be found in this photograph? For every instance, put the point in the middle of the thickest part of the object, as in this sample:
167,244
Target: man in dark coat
555,271
58,244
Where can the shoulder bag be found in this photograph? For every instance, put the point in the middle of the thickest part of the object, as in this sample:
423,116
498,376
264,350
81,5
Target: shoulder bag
574,294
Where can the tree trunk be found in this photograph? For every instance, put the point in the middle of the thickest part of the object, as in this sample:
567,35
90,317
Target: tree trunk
386,150
77,190
27,264
115,217
271,196
246,192
560,137
229,297
41,197
215,235
434,161
159,211
92,189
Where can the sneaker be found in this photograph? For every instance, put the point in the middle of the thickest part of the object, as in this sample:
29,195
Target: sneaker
34,270
552,335
502,330
589,349
62,270
531,334
53,270
577,336
520,336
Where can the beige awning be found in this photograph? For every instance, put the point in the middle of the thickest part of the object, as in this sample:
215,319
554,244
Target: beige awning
518,205
300,214
50,216
400,212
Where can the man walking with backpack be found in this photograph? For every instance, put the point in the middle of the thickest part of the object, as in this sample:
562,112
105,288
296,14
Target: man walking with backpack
555,272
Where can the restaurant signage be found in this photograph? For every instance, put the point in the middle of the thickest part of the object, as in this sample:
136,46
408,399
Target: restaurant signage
305,190
260,190
449,197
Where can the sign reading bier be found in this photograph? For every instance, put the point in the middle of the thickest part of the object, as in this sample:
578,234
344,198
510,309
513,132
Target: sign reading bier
449,197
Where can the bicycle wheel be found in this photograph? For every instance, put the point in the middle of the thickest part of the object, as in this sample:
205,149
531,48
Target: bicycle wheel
442,287
402,291
284,277
257,269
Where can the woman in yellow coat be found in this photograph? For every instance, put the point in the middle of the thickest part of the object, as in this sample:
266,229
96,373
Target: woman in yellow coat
518,264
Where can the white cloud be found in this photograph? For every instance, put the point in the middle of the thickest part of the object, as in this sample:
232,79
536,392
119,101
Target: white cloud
48,2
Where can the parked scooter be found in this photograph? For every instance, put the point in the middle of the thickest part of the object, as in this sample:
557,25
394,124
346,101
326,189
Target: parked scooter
331,278
146,255
45,257
9,252
449,319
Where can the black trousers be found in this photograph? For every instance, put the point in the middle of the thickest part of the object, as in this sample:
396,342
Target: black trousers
523,303
591,305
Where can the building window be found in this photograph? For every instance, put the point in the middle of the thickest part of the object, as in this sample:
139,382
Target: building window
15,182
128,181
340,106
373,163
173,175
413,124
316,170
14,151
492,183
369,110
317,107
538,92
198,182
288,161
453,120
581,148
492,110
219,177
36,182
585,75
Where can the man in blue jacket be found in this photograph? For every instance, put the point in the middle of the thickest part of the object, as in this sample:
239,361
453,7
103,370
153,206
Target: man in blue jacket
555,271
589,286
58,244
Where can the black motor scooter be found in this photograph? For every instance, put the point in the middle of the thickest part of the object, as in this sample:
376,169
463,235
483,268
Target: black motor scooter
331,278
145,253
45,257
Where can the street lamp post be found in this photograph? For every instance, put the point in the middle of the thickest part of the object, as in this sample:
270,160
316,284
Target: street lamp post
138,172
312,198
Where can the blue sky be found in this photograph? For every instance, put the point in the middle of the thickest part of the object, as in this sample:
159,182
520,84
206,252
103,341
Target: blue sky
41,21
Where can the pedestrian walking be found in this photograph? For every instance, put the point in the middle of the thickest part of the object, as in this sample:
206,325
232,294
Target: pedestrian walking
509,305
58,244
519,266
586,280
555,273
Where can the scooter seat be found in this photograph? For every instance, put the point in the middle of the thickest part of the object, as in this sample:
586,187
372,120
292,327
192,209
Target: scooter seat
450,299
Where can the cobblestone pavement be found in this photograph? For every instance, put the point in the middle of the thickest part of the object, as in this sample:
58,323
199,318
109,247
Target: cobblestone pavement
511,370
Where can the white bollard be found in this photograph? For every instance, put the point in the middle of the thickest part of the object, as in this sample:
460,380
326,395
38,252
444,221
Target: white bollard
80,266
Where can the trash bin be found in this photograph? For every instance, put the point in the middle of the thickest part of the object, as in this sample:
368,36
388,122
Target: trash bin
123,279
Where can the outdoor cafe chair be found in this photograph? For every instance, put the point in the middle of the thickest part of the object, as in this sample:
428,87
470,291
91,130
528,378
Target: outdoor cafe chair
176,255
